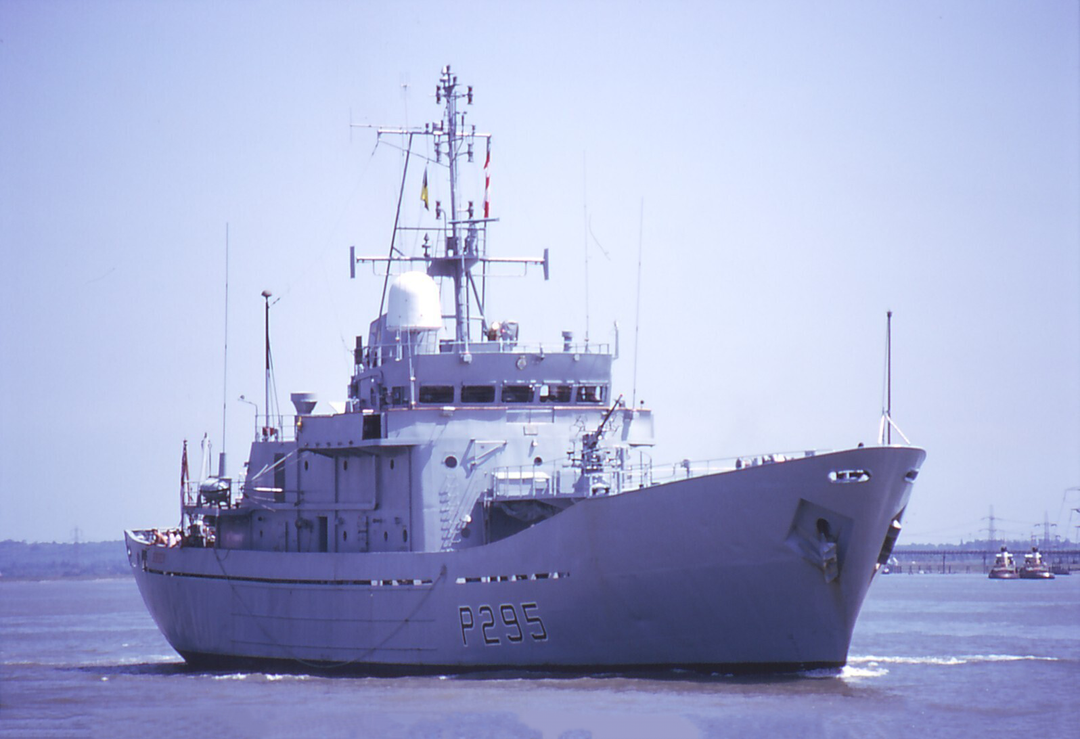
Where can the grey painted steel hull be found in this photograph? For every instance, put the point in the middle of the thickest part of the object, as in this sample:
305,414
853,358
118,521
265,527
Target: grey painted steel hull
705,573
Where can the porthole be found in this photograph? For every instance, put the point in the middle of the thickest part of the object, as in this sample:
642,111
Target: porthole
538,461
450,461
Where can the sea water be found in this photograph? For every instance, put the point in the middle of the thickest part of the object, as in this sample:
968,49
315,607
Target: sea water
932,656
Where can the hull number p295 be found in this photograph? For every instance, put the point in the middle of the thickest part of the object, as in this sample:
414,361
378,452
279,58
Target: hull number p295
495,625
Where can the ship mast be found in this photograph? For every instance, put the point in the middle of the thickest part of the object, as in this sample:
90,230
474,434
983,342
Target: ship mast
447,90
888,376
464,235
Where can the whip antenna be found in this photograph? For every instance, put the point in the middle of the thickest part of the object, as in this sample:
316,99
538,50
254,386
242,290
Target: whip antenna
637,310
225,361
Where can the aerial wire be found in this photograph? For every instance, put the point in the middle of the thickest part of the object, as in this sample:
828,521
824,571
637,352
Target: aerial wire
225,361
637,309
585,217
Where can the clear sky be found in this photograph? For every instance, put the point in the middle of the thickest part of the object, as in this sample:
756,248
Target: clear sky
801,168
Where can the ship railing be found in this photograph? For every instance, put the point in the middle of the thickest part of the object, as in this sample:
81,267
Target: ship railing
687,469
167,537
504,346
275,427
142,536
377,354
561,479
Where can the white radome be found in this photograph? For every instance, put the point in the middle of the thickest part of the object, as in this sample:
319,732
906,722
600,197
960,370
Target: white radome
414,303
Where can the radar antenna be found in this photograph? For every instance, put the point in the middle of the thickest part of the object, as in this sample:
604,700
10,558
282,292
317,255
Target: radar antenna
460,242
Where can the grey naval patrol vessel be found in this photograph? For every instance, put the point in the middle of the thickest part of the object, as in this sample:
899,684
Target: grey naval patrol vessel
480,503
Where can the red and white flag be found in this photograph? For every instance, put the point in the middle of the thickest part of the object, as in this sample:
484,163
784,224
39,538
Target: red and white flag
487,181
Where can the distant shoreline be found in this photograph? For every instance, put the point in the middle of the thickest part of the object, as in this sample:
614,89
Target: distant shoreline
22,561
56,578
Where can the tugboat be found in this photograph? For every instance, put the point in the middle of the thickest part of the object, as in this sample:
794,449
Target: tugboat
1004,566
1034,568
485,503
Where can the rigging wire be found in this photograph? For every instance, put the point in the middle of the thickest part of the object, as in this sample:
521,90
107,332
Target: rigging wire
319,258
597,242
393,234
342,210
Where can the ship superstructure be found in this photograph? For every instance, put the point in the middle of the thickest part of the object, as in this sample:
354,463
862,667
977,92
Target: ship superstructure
485,503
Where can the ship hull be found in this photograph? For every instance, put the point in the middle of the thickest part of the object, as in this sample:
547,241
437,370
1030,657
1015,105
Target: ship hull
712,573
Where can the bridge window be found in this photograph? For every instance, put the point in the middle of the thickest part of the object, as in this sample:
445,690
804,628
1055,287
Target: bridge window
478,394
590,393
399,396
437,394
555,393
517,394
